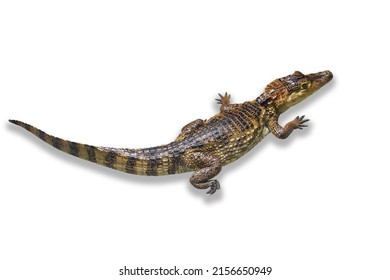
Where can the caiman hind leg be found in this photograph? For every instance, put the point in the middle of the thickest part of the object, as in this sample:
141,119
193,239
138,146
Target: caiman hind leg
207,167
284,132
189,129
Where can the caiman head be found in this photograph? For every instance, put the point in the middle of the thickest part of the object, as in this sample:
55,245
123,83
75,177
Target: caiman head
285,92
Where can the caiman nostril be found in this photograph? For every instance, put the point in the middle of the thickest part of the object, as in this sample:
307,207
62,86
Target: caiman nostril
329,74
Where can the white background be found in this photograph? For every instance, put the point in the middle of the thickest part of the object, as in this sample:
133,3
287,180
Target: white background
131,74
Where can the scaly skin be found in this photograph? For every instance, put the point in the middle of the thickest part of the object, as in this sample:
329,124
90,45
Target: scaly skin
204,146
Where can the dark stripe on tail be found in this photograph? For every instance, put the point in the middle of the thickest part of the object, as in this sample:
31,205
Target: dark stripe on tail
57,143
91,153
42,135
173,162
152,167
73,149
27,127
109,159
153,162
130,165
172,165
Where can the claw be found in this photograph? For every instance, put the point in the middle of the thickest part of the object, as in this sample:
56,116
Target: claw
214,187
223,98
299,122
211,191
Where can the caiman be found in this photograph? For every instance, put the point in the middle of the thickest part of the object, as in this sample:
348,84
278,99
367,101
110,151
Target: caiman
205,146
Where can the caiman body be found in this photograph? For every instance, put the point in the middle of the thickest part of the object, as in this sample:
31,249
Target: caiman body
204,146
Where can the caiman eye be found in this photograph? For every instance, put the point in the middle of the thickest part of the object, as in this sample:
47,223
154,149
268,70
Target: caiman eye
298,74
305,85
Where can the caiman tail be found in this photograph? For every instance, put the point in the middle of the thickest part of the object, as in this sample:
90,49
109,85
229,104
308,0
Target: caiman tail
155,161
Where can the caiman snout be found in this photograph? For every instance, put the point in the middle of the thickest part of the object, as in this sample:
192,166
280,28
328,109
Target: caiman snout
327,75
320,79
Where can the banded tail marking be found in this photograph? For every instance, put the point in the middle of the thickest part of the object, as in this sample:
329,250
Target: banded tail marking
150,161
79,150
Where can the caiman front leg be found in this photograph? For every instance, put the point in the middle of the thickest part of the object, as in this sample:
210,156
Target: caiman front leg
224,100
206,167
284,132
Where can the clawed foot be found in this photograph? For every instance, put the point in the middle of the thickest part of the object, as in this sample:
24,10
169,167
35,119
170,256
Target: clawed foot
284,132
299,122
224,99
214,186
